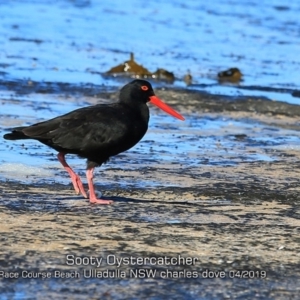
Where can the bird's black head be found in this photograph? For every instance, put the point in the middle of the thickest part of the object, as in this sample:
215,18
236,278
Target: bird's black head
136,91
139,92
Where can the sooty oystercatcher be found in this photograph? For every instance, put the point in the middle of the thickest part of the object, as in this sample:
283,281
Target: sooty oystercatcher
97,132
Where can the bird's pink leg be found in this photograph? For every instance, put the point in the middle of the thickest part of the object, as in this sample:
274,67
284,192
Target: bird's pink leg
93,198
78,186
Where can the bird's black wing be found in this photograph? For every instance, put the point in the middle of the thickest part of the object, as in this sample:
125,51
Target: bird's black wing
89,129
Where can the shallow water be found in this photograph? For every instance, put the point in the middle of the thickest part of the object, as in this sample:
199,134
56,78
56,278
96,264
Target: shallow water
204,140
76,41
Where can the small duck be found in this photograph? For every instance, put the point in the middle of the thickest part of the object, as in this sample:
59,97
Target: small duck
130,67
162,74
232,75
188,78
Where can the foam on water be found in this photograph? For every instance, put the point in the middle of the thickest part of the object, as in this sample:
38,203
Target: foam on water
25,172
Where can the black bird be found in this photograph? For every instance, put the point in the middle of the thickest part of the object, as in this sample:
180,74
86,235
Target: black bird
97,132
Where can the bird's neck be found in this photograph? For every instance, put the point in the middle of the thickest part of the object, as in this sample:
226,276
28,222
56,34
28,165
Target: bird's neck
141,110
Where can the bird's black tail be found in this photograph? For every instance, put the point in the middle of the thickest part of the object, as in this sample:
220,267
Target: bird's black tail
16,134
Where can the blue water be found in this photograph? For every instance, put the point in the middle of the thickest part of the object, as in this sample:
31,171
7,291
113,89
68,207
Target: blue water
68,41
77,41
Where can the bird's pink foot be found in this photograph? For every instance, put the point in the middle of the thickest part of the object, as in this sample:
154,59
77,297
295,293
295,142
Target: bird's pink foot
78,186
76,181
100,201
92,192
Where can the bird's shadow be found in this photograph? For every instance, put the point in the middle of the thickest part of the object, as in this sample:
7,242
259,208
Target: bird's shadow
113,198
118,199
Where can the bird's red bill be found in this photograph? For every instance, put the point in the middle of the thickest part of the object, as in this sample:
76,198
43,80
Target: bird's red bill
156,101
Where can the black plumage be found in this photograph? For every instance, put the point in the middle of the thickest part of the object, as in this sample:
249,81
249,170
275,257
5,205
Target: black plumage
97,132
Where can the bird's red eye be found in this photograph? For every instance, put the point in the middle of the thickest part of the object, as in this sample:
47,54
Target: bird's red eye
144,88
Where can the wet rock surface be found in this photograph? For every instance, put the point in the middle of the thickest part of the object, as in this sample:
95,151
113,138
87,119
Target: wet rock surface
230,200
